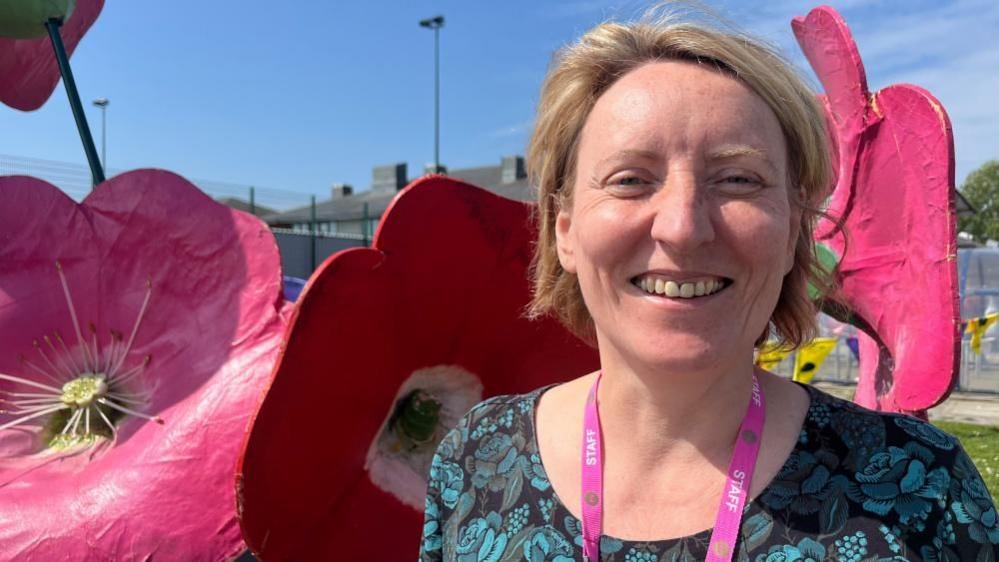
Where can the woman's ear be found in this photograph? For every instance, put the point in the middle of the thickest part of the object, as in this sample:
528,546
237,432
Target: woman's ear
564,241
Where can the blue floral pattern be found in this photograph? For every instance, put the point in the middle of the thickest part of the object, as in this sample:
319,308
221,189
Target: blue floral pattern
900,480
807,550
972,505
858,486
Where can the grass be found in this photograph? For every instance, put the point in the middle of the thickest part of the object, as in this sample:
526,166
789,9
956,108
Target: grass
982,444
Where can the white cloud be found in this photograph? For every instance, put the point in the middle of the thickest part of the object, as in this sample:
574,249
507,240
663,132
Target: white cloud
511,130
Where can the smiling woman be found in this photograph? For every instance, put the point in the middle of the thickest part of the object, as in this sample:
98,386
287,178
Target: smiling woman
676,194
679,167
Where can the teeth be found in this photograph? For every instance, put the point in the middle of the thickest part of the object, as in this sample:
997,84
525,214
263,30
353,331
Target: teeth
672,289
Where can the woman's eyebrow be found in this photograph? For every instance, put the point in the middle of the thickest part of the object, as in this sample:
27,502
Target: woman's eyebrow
741,151
630,154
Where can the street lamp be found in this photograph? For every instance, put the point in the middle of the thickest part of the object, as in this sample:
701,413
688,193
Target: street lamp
103,104
436,23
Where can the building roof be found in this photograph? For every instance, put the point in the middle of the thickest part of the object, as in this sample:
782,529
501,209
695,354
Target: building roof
241,205
963,206
348,207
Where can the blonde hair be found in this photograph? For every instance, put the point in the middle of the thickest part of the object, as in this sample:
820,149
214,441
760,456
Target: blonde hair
582,71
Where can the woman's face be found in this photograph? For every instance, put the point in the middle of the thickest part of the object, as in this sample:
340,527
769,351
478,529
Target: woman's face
680,229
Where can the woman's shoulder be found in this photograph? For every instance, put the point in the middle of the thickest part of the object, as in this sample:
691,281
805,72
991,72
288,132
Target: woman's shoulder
884,483
863,430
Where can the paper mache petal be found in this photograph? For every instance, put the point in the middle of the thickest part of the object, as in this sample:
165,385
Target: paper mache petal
28,69
212,328
445,283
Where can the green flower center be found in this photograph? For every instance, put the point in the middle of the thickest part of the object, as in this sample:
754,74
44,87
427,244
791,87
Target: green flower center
427,405
415,418
84,391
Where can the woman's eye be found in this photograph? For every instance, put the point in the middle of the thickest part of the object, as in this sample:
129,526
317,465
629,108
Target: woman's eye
744,180
628,181
740,184
628,185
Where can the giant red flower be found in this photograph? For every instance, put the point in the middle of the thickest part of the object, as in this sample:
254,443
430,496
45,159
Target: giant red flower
138,329
28,69
430,317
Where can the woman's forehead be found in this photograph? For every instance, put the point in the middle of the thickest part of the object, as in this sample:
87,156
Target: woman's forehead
660,105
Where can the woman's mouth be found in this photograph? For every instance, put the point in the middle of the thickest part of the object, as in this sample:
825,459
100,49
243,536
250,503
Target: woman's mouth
663,286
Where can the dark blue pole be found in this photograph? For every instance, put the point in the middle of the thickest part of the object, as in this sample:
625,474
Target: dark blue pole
96,170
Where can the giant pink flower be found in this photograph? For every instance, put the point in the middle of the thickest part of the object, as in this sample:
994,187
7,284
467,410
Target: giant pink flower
28,69
147,303
895,198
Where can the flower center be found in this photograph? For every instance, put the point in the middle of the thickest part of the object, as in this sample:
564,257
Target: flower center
86,390
428,405
82,392
415,418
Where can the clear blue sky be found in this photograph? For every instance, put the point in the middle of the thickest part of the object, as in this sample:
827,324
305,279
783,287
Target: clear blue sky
299,95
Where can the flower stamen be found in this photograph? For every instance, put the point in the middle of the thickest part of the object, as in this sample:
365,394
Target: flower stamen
95,350
89,377
32,401
74,416
130,411
55,373
27,395
114,431
19,421
88,362
112,352
135,329
131,373
70,357
62,368
29,383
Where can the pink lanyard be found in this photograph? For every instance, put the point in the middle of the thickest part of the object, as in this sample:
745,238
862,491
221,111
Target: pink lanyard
740,473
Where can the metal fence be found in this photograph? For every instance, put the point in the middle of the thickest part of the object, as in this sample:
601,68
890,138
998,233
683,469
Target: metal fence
979,372
74,180
301,252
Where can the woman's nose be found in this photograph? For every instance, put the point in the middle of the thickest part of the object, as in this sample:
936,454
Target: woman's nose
682,217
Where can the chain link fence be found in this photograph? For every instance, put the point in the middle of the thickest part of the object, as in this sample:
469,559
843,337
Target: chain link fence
302,250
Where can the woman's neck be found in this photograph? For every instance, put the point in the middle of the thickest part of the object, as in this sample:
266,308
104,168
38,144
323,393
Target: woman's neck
669,418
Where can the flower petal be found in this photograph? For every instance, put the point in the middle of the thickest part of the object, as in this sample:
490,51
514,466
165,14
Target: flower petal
212,327
447,291
28,69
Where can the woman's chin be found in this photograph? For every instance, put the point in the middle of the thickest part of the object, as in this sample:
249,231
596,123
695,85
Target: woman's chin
688,354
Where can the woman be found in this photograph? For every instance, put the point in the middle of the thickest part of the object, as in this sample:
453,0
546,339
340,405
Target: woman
678,169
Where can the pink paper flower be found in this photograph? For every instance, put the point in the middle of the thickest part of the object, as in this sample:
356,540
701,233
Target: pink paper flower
895,198
28,69
147,303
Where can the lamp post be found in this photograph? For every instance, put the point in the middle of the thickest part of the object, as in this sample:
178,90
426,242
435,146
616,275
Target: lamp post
436,23
103,104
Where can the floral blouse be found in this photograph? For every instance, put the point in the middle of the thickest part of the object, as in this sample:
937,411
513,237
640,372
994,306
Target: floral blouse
858,486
